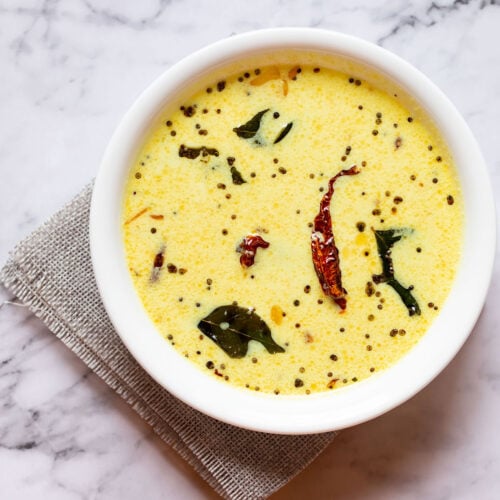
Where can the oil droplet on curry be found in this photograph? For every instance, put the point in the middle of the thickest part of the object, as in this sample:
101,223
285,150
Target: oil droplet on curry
291,229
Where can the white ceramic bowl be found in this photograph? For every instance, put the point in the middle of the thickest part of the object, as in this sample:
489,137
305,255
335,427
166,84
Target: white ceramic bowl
318,412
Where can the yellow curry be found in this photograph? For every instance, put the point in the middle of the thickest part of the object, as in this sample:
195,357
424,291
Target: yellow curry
292,229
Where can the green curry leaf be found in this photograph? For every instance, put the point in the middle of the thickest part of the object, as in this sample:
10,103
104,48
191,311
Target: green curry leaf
250,128
236,176
232,328
192,153
385,241
283,133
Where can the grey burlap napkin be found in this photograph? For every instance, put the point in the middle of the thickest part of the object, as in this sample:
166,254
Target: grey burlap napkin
51,273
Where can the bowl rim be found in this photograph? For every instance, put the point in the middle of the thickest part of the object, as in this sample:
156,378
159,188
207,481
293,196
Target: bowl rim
320,412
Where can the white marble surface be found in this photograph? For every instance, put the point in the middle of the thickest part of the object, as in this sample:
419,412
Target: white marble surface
68,70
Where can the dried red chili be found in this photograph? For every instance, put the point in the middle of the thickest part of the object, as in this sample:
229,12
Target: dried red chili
157,264
248,248
324,252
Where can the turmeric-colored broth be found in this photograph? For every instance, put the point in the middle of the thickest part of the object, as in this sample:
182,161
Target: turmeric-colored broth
195,215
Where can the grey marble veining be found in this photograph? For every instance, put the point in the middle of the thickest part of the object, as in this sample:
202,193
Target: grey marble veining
69,71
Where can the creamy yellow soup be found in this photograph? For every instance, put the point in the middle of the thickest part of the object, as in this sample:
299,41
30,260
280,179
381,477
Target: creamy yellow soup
251,155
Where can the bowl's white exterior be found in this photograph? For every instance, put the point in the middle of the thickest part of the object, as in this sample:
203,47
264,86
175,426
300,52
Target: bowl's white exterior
293,414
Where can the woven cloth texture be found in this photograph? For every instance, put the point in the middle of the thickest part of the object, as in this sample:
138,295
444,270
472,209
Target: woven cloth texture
51,272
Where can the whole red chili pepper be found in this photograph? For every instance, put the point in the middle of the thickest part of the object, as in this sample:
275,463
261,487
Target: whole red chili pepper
325,254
